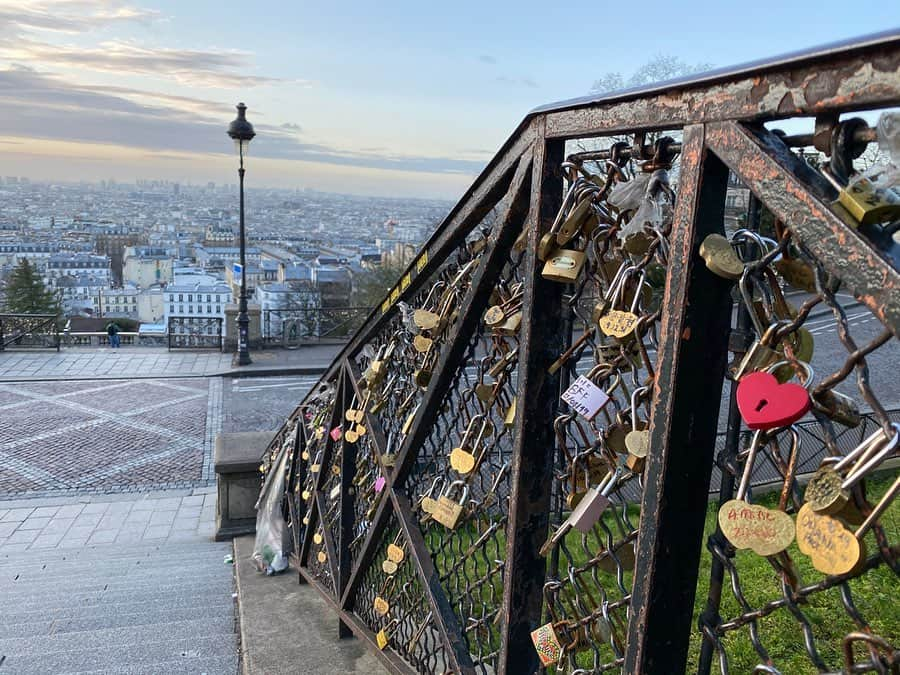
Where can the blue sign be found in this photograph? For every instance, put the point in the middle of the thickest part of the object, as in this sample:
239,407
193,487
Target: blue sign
237,272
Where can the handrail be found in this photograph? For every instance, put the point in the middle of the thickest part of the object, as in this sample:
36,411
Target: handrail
408,399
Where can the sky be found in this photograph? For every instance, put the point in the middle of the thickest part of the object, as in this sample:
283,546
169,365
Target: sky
390,98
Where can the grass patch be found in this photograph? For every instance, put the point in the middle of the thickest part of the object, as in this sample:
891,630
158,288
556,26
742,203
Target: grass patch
874,594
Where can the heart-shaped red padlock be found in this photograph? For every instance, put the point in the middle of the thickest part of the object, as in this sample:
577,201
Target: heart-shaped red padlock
766,404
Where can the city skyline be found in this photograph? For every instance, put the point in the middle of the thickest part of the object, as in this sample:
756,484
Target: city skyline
399,101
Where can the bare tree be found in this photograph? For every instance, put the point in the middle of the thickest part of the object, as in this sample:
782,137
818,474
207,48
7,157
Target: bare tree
661,67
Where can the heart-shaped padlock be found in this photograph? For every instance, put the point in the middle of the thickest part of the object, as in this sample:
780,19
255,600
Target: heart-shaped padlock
766,404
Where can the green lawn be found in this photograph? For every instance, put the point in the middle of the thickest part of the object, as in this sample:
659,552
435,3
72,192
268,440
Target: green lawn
875,594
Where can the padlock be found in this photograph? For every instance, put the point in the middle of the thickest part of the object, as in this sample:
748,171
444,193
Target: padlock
838,407
448,512
721,258
547,644
867,204
563,265
462,458
587,512
621,319
761,355
764,531
576,220
382,637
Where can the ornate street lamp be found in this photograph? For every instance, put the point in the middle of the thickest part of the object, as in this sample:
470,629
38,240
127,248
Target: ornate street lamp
242,132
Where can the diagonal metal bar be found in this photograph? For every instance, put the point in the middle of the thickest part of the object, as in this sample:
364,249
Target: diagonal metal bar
799,196
540,342
483,282
696,314
488,189
444,617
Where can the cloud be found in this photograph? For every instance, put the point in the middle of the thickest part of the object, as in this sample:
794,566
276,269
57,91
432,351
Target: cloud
208,68
517,81
38,105
487,58
68,16
290,126
24,38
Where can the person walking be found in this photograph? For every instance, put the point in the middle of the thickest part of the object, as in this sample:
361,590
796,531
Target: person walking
112,331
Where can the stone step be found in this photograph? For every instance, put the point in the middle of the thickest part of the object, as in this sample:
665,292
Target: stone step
153,656
179,571
158,585
207,607
121,552
80,624
110,637
224,665
116,598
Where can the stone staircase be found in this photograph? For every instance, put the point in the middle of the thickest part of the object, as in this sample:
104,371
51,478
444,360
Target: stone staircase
123,609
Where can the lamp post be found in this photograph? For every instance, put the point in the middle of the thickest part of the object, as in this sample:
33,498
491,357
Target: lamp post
241,131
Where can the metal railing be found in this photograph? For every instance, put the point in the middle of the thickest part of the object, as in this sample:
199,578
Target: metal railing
291,327
20,331
195,332
459,480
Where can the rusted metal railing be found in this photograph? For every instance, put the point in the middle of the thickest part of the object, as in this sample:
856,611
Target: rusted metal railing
510,460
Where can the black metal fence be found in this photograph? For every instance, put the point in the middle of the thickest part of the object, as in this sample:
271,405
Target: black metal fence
508,465
291,327
195,332
21,331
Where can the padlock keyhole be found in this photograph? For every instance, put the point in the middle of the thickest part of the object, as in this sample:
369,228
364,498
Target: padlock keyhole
762,404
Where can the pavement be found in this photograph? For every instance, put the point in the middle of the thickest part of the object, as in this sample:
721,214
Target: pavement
107,509
272,640
119,584
155,362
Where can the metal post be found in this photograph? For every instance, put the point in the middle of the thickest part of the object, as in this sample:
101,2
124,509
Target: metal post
242,358
696,317
740,337
534,445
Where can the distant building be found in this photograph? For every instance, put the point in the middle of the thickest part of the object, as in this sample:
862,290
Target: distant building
286,307
197,302
37,253
151,305
118,302
147,266
335,285
60,265
80,293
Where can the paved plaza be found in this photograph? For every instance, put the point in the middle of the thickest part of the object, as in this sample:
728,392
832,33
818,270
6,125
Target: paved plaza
107,436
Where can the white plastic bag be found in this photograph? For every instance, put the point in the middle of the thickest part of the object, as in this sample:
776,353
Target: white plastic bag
272,545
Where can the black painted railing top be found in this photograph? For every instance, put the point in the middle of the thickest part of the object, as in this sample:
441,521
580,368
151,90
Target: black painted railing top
507,466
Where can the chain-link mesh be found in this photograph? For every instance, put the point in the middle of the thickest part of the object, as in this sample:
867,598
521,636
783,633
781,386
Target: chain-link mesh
810,606
390,602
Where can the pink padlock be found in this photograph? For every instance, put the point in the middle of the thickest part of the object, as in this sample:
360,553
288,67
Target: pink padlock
380,482
336,433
